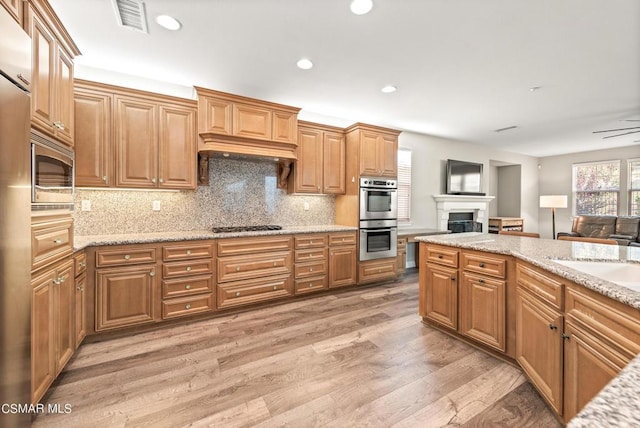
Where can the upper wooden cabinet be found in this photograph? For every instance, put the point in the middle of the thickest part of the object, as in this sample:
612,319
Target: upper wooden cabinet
320,167
14,7
134,139
374,149
233,124
52,86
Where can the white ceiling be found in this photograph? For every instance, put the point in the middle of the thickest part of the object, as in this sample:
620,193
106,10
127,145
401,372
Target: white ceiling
463,68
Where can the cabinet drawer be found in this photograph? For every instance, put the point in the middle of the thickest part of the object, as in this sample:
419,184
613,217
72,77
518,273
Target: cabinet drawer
244,267
442,256
174,308
305,270
615,324
402,243
308,241
310,285
348,238
125,256
377,270
187,286
540,284
80,263
50,241
492,266
311,254
253,291
191,250
189,267
238,246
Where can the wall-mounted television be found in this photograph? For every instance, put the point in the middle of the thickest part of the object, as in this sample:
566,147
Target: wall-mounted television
464,178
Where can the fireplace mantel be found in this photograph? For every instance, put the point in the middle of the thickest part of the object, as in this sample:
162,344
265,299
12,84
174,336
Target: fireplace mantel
478,205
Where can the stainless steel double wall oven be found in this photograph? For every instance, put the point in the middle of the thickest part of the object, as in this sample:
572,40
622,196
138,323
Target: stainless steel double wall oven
378,218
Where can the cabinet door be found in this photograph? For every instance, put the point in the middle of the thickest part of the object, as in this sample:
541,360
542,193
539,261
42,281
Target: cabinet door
539,346
284,126
43,362
441,295
308,169
80,310
388,159
63,116
482,310
136,143
64,299
14,7
342,266
369,153
43,74
125,296
251,121
94,145
177,148
214,115
333,163
589,364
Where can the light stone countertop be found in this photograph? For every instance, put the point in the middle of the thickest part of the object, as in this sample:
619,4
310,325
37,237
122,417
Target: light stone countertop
81,242
618,404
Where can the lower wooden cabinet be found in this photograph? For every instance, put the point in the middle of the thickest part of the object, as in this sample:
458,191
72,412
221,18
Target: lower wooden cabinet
125,296
439,294
81,309
342,266
402,256
239,293
539,347
482,310
52,325
377,270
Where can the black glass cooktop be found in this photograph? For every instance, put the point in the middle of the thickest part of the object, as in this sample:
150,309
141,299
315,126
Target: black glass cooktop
231,229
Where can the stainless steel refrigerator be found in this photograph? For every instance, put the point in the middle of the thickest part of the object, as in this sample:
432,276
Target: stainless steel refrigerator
15,222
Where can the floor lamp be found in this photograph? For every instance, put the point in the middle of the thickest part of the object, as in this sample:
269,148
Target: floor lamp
553,202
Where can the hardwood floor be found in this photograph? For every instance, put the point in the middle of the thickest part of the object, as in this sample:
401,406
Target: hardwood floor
358,358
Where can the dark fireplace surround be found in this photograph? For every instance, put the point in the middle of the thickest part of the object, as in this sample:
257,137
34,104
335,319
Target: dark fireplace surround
463,222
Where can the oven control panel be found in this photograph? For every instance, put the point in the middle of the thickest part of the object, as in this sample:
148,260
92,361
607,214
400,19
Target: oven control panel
378,183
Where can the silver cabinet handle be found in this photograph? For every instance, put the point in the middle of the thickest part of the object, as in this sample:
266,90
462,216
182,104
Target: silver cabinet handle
237,294
275,263
153,180
453,278
79,288
237,268
83,264
275,287
310,285
188,287
161,180
481,264
310,269
152,273
22,79
553,326
187,306
57,241
104,178
188,252
188,268
127,256
62,279
56,281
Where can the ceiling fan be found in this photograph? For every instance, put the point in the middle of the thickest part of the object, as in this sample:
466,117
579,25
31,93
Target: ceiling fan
629,130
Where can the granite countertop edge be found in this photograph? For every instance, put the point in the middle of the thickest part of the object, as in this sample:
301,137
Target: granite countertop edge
82,242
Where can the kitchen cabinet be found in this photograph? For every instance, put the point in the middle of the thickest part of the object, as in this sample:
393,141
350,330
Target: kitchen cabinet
440,302
252,270
52,325
230,123
377,270
153,143
402,256
51,239
539,332
52,85
376,148
320,167
311,267
14,7
126,287
80,310
187,278
343,256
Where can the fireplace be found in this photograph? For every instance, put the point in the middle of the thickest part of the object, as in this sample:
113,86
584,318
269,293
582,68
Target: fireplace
463,222
474,211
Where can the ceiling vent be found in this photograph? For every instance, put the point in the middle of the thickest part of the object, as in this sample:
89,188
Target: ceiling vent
131,14
508,128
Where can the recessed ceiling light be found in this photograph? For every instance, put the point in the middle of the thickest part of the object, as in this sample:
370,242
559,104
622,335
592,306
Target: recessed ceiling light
389,89
361,7
168,22
304,64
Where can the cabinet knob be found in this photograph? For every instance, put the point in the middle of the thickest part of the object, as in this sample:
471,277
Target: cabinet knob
310,269
565,337
237,294
481,264
237,268
275,287
79,288
56,281
310,285
57,241
188,268
153,180
161,180
187,306
152,273
62,279
127,256
188,287
553,326
440,256
379,270
481,281
188,252
83,264
275,263
104,178
453,278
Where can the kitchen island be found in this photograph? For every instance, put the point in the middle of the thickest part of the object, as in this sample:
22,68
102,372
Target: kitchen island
572,311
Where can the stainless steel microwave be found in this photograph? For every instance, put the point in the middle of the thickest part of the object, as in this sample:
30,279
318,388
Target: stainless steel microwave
52,183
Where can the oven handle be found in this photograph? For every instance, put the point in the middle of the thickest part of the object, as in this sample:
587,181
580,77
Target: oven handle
376,230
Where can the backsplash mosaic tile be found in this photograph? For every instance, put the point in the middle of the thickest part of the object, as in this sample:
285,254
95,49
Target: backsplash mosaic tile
241,192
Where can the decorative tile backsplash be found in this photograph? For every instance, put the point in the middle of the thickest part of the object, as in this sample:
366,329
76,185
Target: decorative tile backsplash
241,192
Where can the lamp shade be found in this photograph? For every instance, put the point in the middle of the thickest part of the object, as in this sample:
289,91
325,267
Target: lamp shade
553,201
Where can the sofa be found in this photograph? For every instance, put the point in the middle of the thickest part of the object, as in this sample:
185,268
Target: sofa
624,230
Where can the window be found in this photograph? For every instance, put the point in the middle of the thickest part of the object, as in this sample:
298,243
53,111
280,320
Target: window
596,186
634,187
404,185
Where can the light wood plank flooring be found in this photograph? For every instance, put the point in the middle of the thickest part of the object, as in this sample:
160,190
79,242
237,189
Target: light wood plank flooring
354,359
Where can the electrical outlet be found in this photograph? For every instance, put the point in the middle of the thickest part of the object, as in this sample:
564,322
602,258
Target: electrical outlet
156,205
306,206
86,205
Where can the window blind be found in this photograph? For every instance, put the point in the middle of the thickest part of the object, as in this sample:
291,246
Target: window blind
634,187
596,186
404,185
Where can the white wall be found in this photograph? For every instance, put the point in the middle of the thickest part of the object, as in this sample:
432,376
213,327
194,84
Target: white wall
556,179
428,174
509,195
